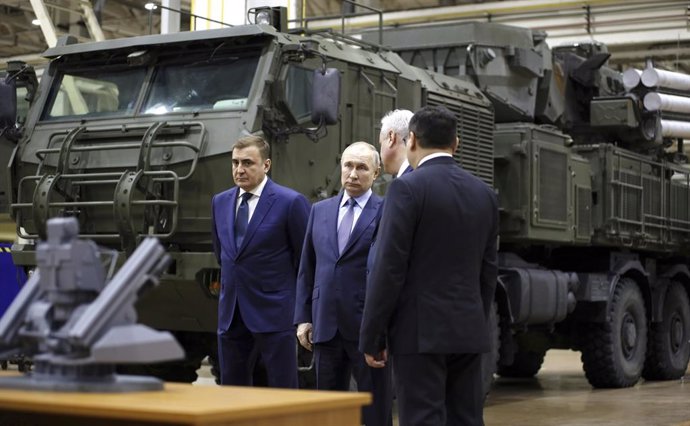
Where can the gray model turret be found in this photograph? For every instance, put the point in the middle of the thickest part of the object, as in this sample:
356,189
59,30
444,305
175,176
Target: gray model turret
76,325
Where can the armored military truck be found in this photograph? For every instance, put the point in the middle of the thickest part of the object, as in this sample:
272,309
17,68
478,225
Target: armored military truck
594,199
134,136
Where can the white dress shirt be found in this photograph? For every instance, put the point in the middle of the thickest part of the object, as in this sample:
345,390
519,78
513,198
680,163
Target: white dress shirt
403,166
253,200
434,155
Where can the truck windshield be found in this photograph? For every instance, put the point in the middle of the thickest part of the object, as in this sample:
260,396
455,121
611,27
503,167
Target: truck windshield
197,84
95,93
204,85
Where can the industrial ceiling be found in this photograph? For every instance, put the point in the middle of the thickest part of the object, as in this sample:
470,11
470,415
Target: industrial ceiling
635,30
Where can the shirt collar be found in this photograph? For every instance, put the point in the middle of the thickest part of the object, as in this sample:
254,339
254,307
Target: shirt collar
361,200
256,191
405,164
432,156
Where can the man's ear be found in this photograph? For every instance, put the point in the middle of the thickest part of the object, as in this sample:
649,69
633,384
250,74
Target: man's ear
267,165
456,144
412,141
391,138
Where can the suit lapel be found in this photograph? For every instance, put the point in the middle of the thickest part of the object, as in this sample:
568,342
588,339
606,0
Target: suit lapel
365,218
262,207
232,204
332,212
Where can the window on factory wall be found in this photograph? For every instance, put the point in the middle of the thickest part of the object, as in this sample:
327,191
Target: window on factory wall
298,92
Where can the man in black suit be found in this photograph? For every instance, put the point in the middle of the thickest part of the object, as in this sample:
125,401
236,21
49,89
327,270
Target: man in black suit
433,280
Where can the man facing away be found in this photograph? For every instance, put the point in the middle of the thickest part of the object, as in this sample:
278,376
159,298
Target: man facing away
433,280
394,131
332,281
258,230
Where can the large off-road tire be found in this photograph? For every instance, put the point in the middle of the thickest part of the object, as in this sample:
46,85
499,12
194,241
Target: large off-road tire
215,368
214,362
669,350
491,358
613,352
525,364
196,347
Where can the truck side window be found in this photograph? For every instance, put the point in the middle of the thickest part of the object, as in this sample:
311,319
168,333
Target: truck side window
298,91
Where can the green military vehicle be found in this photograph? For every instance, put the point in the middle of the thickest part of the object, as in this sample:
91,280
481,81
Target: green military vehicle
134,136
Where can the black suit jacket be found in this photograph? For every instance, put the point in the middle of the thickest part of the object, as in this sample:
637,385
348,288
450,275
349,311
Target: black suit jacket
434,274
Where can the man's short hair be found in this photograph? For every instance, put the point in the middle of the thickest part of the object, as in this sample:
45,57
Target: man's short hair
397,121
257,141
374,153
434,127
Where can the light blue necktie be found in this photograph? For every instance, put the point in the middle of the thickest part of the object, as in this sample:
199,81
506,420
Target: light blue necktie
346,225
242,219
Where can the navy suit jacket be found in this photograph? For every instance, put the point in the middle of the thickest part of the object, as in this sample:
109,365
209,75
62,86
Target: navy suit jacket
260,274
331,287
434,274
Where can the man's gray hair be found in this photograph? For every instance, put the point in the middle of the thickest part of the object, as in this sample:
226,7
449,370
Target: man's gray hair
397,121
374,153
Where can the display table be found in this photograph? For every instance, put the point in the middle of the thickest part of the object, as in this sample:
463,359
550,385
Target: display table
183,404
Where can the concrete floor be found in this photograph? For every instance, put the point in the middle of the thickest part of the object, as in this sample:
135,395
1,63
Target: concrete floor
560,395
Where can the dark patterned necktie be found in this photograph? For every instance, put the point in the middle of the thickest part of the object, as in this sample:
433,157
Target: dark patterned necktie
242,219
346,225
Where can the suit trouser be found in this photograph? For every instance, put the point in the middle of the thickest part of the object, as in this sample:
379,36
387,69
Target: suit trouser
278,352
439,389
336,359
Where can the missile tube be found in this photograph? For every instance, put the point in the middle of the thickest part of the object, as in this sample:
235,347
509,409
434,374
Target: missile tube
652,77
631,78
675,129
662,102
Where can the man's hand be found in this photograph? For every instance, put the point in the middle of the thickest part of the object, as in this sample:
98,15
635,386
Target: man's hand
304,335
377,361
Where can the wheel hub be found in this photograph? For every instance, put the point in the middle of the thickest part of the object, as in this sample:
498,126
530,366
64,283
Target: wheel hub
676,332
628,335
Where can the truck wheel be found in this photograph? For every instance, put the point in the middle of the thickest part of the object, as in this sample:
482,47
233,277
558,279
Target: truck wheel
195,345
525,364
613,352
215,367
490,359
669,349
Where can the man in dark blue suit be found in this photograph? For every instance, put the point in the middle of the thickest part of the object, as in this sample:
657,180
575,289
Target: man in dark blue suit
332,282
258,230
433,280
394,132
